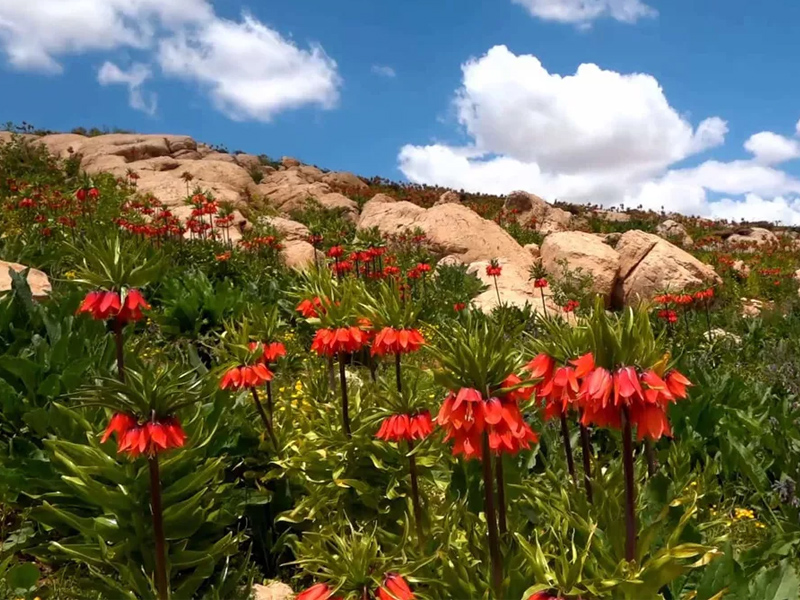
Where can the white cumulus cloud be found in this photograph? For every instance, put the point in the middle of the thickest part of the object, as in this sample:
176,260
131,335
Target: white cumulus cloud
583,12
598,136
770,148
250,70
133,78
34,33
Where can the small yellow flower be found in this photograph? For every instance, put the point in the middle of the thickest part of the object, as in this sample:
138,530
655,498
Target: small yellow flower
70,275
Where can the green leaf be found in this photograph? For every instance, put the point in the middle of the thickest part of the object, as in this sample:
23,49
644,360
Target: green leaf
23,577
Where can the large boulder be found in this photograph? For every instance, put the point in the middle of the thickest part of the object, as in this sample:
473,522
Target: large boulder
300,255
612,216
450,229
530,207
751,237
37,280
391,218
649,265
674,232
288,229
290,189
345,180
514,287
584,252
449,197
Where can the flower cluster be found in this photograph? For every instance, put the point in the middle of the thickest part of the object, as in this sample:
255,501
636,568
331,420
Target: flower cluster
466,415
394,587
103,305
148,438
397,428
397,341
329,342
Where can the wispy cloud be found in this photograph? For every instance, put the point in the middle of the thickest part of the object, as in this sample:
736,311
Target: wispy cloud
383,71
134,78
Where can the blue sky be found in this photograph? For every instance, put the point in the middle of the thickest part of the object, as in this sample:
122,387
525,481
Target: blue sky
382,78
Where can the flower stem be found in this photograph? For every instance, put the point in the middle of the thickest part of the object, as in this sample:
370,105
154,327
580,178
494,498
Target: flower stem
264,418
708,323
491,520
397,373
544,306
497,289
501,494
345,407
270,406
415,496
568,447
586,446
651,457
331,376
630,492
120,350
158,528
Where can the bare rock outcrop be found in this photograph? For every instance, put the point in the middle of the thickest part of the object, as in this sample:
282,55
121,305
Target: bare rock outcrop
650,265
675,232
751,236
514,287
530,207
37,280
584,252
450,229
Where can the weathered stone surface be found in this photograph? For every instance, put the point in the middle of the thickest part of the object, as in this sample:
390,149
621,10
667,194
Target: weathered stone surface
221,156
343,179
514,286
336,201
741,270
527,207
391,218
275,590
37,280
297,254
449,229
248,161
288,161
755,236
448,197
377,198
289,190
533,250
584,252
449,261
289,230
612,216
674,232
751,307
650,265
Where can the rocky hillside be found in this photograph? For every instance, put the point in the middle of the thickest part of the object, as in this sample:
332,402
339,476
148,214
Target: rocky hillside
629,255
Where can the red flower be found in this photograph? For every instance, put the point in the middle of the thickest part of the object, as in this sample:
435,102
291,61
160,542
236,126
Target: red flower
120,423
149,438
406,427
494,270
94,193
395,588
101,305
542,596
132,306
466,415
459,306
273,351
571,305
670,316
423,268
343,339
308,308
81,194
320,591
397,341
245,376
335,252
540,283
646,395
665,299
684,299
